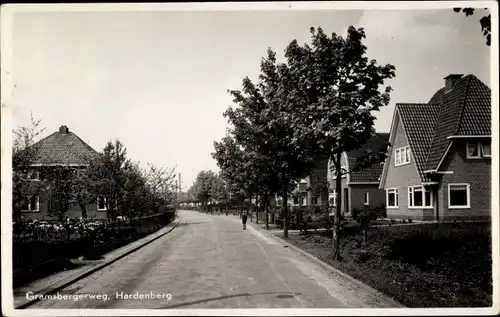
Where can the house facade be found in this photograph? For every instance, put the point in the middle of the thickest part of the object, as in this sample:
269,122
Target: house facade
359,189
60,149
439,167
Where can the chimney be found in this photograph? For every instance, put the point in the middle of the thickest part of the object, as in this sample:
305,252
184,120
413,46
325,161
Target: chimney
63,129
451,80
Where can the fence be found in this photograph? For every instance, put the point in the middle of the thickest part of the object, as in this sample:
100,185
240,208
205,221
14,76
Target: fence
38,249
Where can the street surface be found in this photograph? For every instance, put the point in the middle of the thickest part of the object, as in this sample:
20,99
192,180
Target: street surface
208,261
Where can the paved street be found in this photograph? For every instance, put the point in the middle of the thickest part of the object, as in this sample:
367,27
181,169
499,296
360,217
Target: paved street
208,261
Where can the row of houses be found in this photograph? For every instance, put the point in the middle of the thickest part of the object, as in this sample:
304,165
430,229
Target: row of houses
438,166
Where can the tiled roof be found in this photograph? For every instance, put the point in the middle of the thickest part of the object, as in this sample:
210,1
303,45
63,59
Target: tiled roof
419,121
62,148
476,114
465,110
371,173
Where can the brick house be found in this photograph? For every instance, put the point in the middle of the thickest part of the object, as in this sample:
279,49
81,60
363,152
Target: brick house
62,148
439,167
306,193
359,188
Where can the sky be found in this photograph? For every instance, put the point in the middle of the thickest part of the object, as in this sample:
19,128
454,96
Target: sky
158,81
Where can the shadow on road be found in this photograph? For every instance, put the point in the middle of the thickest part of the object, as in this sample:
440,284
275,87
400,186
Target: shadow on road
191,223
278,295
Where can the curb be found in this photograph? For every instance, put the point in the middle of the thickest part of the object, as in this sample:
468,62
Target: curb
330,268
93,269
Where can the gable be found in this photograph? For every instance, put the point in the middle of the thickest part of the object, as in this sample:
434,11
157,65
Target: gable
402,175
419,122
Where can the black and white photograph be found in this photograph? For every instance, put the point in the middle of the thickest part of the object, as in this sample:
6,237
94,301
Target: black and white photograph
250,158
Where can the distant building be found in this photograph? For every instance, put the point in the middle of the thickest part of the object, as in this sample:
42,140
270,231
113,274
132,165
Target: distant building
359,188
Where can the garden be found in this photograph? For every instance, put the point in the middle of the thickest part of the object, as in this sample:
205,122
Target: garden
420,265
42,247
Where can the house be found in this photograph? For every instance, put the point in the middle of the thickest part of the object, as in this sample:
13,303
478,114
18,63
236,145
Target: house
359,188
62,148
312,189
439,167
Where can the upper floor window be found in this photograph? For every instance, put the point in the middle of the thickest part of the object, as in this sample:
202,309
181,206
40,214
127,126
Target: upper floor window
343,171
402,156
478,149
366,198
31,175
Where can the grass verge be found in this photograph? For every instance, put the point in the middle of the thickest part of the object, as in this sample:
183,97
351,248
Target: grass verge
426,265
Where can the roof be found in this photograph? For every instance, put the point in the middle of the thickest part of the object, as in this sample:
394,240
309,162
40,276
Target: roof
419,121
371,173
465,110
62,148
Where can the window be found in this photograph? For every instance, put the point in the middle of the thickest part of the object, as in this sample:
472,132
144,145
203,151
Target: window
419,196
332,198
486,149
34,175
392,198
296,201
367,199
458,195
101,203
479,149
31,203
343,170
402,156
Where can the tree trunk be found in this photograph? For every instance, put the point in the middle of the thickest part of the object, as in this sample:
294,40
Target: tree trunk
285,212
266,210
257,203
83,208
241,205
336,220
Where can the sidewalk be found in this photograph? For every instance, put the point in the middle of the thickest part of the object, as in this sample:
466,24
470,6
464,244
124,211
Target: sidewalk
367,292
52,283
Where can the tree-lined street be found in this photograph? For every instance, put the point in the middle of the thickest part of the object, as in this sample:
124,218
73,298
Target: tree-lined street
208,261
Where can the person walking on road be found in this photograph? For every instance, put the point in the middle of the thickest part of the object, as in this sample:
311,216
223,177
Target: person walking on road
244,220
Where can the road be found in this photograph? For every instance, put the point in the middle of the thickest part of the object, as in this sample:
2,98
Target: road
208,261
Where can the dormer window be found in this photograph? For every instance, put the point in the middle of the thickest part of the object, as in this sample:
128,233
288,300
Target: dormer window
478,149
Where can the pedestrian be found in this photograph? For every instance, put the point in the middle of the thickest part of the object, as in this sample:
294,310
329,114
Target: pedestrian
244,221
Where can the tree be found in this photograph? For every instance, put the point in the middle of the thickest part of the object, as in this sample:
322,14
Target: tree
292,160
334,90
485,22
218,190
161,181
106,176
23,156
203,187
